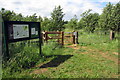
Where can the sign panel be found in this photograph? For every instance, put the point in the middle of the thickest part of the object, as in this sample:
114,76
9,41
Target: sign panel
33,31
20,31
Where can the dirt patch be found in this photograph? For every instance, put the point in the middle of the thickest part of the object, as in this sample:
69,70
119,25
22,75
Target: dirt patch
74,46
109,57
116,53
39,65
84,53
116,76
103,54
39,71
83,47
106,55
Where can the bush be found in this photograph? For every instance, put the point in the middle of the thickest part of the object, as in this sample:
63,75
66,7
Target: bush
25,59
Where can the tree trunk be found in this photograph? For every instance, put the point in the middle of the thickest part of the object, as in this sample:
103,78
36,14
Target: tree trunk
112,35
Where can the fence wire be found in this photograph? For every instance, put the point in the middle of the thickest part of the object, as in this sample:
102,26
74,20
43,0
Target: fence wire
96,37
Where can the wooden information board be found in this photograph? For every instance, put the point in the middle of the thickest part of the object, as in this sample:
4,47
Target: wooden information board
19,31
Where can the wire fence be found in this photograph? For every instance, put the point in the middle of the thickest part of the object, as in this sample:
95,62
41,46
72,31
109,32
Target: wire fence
96,37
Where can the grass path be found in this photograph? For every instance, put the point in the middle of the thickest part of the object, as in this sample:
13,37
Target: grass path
79,62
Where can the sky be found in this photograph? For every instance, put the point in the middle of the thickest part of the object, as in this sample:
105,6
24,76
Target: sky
44,8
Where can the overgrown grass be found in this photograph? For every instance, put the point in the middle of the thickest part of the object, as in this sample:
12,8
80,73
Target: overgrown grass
25,56
52,48
99,41
21,59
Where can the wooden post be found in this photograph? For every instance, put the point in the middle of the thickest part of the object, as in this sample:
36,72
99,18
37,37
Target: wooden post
62,38
58,38
73,37
77,37
43,36
112,35
46,36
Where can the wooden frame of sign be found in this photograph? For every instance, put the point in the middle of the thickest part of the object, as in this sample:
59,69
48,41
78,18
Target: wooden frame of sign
20,30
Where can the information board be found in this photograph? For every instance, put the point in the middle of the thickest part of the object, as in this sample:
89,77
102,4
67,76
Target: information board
19,31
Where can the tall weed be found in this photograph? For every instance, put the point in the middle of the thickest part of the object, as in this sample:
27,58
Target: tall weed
24,59
52,48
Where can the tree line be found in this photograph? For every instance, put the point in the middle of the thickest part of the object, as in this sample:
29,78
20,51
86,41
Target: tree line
90,22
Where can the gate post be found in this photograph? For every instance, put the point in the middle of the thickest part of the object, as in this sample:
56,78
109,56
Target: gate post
62,38
73,37
46,37
77,37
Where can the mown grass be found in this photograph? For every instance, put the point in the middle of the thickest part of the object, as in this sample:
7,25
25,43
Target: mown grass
93,59
83,66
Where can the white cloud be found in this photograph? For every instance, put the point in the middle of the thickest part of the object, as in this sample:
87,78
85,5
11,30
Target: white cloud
45,7
112,1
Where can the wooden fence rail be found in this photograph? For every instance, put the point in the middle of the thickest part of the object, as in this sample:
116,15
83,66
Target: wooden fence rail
62,37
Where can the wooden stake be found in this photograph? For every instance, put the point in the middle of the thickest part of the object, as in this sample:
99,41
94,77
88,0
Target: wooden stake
77,38
62,38
112,35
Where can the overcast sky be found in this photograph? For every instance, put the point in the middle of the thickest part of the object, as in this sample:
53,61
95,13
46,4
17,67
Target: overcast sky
45,7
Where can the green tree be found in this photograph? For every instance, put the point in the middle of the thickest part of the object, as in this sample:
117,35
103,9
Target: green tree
57,19
115,17
81,24
106,17
32,18
72,24
46,24
7,15
89,21
110,18
17,17
40,19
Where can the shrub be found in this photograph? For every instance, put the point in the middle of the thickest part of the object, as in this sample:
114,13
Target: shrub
25,59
